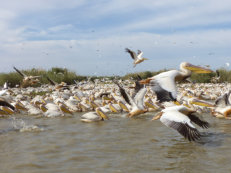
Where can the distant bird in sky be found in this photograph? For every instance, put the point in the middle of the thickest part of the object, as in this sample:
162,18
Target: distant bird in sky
137,57
227,64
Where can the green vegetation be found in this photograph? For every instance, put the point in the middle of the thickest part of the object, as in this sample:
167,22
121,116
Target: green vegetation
64,75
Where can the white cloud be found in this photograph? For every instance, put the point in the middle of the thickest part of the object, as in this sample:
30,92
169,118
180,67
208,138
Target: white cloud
107,55
66,43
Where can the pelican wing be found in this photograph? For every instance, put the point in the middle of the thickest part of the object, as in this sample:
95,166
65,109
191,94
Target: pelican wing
164,85
139,53
125,95
139,98
180,123
51,81
132,53
198,121
223,100
162,94
21,73
35,77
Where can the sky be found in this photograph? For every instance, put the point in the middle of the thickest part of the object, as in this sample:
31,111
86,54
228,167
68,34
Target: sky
89,37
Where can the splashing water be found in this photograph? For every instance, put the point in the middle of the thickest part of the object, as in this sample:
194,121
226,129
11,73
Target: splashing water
22,126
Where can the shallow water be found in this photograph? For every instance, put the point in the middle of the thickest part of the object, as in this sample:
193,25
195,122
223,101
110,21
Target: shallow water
65,144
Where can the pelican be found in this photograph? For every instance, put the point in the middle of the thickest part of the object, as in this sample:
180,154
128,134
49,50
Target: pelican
27,80
180,118
137,57
222,106
6,104
98,115
164,85
136,103
60,86
5,89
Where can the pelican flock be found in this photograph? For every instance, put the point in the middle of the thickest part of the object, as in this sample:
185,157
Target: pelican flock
178,106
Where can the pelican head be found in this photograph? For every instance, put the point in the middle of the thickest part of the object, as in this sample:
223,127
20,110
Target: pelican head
194,68
101,113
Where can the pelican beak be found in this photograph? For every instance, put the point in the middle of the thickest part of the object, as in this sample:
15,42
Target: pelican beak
8,110
157,116
43,108
123,106
101,113
201,103
145,81
197,69
176,103
146,59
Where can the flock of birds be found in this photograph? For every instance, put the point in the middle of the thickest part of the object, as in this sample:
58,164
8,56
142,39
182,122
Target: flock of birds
177,105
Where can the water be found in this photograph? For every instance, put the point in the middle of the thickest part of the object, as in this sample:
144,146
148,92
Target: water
31,144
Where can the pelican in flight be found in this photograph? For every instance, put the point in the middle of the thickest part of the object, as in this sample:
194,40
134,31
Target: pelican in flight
137,57
28,80
164,84
223,106
136,102
180,118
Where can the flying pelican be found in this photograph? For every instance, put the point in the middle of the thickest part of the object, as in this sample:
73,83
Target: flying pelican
60,86
222,106
136,103
164,85
27,80
180,118
137,57
98,115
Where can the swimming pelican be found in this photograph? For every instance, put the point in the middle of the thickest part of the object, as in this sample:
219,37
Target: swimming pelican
98,115
164,85
180,118
4,103
137,57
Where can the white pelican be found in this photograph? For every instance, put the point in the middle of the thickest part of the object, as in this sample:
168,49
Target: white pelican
98,115
180,118
60,86
136,103
5,89
137,57
4,103
28,80
223,106
164,85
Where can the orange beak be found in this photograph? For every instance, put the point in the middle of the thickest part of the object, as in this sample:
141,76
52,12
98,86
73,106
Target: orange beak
145,81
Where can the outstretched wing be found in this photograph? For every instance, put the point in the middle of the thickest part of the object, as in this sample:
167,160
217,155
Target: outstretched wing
124,94
180,123
198,121
132,53
51,81
139,53
21,73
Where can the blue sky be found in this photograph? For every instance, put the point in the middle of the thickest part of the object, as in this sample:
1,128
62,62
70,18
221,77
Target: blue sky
89,36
